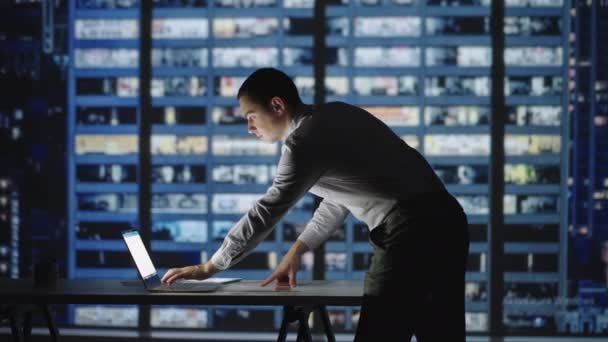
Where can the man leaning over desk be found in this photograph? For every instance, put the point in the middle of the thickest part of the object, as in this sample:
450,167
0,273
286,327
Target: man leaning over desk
357,165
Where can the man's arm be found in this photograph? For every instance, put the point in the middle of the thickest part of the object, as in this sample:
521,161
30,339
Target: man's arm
328,217
297,172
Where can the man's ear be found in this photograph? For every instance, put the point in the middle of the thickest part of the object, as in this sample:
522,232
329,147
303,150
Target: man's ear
277,105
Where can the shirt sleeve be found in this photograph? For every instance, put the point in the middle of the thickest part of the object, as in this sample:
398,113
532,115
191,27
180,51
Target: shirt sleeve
298,170
328,217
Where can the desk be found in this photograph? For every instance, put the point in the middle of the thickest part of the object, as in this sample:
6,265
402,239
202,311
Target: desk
297,303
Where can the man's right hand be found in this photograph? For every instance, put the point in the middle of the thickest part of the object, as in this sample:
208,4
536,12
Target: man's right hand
200,272
285,273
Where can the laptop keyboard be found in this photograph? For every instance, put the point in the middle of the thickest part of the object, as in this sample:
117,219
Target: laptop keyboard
179,286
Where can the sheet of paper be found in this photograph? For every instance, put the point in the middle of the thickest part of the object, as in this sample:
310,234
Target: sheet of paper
216,280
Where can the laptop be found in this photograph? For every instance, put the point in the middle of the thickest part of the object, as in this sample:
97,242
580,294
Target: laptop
148,273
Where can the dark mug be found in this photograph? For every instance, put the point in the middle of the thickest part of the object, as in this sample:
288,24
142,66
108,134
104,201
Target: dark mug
46,274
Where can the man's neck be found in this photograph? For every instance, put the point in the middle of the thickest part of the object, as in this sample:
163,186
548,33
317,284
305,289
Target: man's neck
295,116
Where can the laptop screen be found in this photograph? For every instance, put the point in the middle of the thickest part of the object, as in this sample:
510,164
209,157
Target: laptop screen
140,255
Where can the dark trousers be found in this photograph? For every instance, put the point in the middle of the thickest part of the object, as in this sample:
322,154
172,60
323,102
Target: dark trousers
415,283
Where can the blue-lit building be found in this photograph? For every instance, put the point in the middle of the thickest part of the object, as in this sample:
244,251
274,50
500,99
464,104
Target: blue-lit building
421,66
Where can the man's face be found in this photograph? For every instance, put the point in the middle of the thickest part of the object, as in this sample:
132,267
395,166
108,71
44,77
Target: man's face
268,124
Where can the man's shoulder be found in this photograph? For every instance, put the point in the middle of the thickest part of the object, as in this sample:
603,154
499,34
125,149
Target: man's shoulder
333,105
322,120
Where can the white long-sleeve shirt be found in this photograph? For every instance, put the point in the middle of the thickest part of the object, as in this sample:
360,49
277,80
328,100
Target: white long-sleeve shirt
344,155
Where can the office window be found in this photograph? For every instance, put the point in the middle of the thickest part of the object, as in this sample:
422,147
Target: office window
417,65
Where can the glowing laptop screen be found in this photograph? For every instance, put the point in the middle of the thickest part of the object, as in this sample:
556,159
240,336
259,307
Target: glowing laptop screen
140,255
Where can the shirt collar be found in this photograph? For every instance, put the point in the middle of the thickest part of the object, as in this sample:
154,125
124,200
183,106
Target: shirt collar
299,113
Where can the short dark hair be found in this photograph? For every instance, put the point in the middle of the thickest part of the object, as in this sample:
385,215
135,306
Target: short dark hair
265,83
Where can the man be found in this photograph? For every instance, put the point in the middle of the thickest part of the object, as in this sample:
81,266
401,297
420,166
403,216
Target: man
353,161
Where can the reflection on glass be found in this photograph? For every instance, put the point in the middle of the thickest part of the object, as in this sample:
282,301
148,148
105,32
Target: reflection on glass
106,58
173,203
245,3
335,261
411,140
457,116
534,3
129,86
224,145
386,85
103,4
129,58
106,29
534,144
305,85
533,26
107,202
471,56
526,174
533,85
244,27
233,203
458,3
387,56
180,231
228,115
105,115
530,204
242,174
169,144
291,230
474,204
534,115
87,230
228,86
179,115
245,57
457,26
299,26
476,321
220,229
387,26
162,28
337,86
457,144
462,174
475,292
178,317
300,56
178,174
179,28
246,318
106,173
109,144
98,315
457,86
338,26
396,116
533,56
179,57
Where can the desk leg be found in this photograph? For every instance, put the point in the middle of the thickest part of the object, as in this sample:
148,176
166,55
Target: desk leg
50,322
304,330
284,325
27,326
293,314
16,328
301,314
326,323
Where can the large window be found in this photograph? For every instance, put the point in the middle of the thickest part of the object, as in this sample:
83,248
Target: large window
421,66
